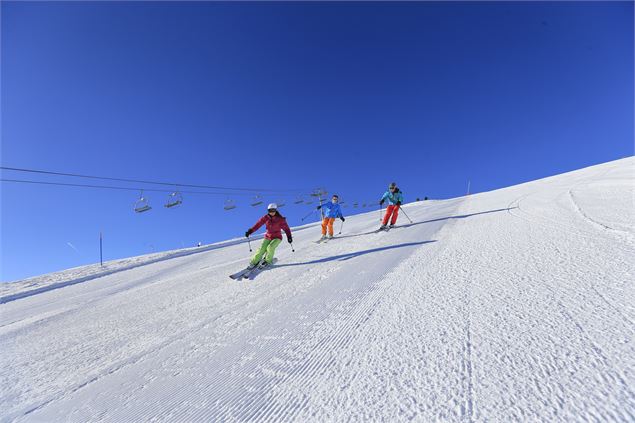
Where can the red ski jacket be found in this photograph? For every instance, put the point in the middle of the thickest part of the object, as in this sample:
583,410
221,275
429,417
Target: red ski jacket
275,226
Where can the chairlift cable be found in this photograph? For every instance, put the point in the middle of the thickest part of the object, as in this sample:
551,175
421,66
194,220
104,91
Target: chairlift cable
75,175
119,188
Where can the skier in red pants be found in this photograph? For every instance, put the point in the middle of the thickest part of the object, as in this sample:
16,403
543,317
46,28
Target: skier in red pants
395,198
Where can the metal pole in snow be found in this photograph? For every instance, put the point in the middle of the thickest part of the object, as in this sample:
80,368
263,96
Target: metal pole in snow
321,192
468,187
101,255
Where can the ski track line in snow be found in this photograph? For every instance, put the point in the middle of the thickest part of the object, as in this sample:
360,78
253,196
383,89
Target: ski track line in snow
595,223
467,354
516,210
531,218
515,205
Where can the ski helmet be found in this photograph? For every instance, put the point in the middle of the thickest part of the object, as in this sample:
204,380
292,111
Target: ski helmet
272,206
392,185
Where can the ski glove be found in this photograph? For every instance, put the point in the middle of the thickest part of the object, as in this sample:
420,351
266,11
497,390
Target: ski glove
319,207
342,218
398,203
381,203
289,239
248,233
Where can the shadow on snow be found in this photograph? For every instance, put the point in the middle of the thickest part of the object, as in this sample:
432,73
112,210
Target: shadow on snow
464,216
407,225
349,256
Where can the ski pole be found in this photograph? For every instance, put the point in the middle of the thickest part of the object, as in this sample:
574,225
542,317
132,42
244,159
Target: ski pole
249,242
381,209
404,213
340,232
292,249
310,213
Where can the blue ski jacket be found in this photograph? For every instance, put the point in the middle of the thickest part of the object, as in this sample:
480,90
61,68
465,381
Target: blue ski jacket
332,210
393,197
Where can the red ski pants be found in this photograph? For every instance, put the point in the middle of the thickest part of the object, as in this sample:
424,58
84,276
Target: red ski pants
391,210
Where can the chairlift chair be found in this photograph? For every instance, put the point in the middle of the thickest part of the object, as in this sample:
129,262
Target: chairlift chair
174,199
257,200
229,204
355,205
281,204
298,200
142,205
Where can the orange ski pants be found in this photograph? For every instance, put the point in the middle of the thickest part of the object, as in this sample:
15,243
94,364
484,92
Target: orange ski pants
328,222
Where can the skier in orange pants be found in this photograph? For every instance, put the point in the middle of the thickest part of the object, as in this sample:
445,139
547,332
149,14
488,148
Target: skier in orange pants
332,211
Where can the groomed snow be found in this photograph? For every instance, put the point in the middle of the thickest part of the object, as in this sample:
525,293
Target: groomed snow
511,305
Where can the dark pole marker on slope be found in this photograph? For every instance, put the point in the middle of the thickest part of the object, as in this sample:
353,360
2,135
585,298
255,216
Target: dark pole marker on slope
101,256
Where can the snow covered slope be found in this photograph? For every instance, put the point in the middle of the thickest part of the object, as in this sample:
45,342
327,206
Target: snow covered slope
511,305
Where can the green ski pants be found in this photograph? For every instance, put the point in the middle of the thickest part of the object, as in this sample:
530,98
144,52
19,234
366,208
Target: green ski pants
268,247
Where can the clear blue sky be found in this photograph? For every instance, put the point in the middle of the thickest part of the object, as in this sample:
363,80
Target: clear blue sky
287,95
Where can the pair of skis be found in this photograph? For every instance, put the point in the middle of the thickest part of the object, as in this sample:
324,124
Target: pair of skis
385,228
251,272
324,240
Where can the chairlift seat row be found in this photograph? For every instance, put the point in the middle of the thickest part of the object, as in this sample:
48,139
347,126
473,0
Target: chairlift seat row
142,204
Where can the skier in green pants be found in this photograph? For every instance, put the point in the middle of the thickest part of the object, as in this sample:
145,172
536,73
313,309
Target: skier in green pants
275,224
